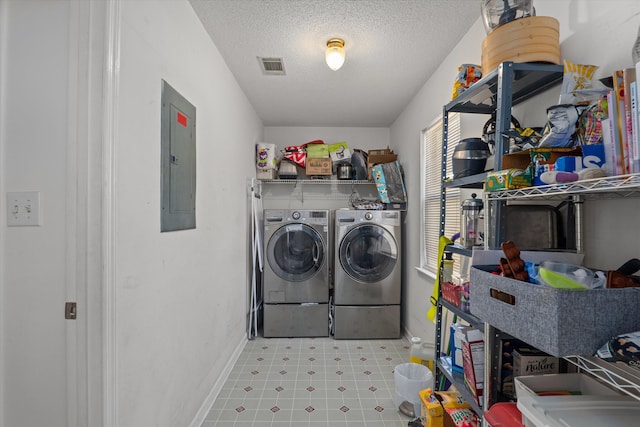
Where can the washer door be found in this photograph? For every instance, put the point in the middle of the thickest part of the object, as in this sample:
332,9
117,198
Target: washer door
368,253
295,252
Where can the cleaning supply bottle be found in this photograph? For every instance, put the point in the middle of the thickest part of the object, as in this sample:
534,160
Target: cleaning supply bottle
447,267
421,353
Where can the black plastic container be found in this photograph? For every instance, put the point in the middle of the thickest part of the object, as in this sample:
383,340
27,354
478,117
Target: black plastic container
470,157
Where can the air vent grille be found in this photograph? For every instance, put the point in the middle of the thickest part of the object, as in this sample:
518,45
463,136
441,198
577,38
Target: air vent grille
272,66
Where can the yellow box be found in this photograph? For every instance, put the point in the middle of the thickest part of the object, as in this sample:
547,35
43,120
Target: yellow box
507,179
318,166
432,412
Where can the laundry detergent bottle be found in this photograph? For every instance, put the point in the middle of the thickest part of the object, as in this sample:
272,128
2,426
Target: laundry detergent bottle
421,353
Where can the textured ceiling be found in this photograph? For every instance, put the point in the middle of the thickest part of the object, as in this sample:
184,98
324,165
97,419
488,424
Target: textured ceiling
392,47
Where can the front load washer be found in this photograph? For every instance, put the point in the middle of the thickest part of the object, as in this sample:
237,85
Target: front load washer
367,282
296,273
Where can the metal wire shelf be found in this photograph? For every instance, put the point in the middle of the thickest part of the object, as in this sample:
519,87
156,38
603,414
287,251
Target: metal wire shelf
622,377
621,186
317,181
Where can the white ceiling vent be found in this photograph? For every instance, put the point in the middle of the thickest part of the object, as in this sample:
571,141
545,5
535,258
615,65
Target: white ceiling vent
272,66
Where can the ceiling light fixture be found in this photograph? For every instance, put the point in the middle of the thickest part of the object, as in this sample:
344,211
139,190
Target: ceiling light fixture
335,53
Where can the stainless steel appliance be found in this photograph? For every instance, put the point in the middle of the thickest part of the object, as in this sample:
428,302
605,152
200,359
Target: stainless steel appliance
296,273
367,270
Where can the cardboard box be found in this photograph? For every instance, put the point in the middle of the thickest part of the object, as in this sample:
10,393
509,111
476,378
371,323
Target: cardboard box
473,363
432,412
317,151
593,157
539,160
375,157
340,153
318,167
543,160
560,322
530,361
507,179
436,406
519,359
457,336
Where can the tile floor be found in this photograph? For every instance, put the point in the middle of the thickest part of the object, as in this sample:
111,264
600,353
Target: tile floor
312,382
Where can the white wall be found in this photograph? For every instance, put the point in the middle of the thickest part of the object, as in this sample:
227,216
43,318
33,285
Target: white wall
591,32
33,125
181,296
356,137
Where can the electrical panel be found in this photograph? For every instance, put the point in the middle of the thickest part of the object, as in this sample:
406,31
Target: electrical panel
178,135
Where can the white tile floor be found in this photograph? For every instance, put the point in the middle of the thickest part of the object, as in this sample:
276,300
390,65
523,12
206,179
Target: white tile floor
312,382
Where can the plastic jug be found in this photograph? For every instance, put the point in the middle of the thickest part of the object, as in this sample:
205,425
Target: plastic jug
421,353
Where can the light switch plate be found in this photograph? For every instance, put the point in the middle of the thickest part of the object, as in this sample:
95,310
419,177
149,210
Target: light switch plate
23,209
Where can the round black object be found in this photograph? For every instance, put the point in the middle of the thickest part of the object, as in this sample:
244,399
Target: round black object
470,157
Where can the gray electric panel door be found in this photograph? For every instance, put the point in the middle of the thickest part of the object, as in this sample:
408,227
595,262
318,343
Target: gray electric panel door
178,135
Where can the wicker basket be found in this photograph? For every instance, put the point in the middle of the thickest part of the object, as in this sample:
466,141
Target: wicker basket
531,39
451,292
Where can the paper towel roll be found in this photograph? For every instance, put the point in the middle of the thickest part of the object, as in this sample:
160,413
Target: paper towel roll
265,156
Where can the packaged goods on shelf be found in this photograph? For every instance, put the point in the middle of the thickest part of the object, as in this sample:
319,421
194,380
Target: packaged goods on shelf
317,151
622,349
451,292
560,322
446,409
266,173
339,152
374,157
265,156
319,167
538,160
507,179
473,362
389,182
529,361
457,336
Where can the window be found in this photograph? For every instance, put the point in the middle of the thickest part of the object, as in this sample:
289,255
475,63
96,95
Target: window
431,179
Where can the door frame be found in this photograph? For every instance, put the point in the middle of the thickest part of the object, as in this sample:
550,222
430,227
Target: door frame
94,38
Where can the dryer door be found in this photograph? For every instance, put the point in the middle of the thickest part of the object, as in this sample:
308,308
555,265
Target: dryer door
295,252
368,253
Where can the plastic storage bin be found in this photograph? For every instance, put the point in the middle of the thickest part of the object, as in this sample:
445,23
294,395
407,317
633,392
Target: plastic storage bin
573,400
410,379
565,276
561,322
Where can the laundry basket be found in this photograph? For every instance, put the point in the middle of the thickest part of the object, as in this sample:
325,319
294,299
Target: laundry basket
411,378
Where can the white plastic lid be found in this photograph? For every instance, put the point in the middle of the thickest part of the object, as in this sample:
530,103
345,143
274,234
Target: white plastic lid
416,340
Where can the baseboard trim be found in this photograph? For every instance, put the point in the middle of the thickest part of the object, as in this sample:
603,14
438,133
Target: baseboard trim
217,387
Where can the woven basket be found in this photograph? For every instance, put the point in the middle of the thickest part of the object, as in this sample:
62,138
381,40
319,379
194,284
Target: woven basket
531,39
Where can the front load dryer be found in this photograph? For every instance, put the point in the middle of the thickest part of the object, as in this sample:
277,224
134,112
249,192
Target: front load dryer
367,282
296,273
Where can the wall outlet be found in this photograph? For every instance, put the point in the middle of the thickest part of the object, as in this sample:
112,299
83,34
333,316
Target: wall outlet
23,209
